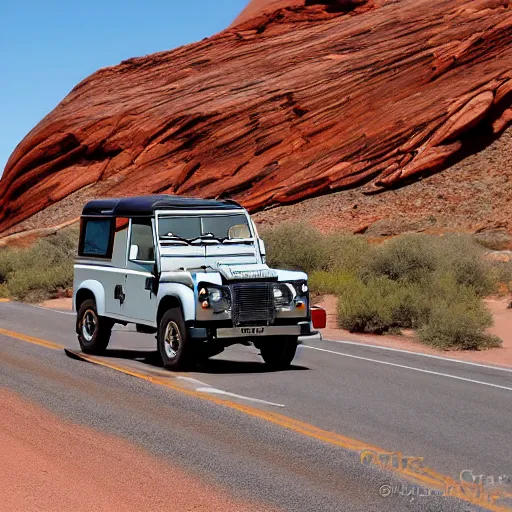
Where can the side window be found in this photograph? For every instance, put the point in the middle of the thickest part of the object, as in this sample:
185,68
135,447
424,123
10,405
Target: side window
141,241
96,238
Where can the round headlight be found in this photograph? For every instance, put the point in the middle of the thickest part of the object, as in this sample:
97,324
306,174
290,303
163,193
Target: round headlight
219,299
214,294
282,295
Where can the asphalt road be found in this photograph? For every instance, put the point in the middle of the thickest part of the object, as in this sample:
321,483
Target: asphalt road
290,439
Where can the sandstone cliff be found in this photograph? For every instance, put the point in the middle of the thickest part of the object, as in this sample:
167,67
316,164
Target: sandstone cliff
297,98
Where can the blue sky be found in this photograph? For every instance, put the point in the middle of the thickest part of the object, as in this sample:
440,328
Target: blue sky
47,47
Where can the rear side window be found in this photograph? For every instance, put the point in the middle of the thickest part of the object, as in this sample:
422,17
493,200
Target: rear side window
96,238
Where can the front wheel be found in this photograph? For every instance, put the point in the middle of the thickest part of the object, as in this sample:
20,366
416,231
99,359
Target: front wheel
173,344
278,352
93,330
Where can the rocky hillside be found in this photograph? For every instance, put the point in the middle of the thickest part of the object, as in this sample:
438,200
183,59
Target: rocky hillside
298,98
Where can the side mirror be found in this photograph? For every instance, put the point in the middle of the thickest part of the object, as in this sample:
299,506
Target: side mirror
134,252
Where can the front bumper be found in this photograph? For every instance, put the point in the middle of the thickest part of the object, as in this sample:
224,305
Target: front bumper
300,329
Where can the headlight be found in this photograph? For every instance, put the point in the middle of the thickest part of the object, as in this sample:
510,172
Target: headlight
214,298
214,294
282,295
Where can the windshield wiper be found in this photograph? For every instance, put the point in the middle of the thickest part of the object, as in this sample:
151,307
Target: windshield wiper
209,236
204,236
175,238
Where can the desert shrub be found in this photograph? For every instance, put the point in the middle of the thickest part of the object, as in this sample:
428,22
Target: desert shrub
38,272
502,274
347,254
380,304
366,308
4,292
412,305
294,245
461,256
8,258
333,283
461,326
448,315
409,258
37,283
433,284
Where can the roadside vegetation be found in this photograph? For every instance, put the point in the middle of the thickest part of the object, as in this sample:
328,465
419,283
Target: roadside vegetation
433,284
39,272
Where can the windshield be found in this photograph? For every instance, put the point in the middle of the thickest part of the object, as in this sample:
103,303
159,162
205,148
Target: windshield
222,227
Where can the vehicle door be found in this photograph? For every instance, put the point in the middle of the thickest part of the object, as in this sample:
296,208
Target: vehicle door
114,281
140,301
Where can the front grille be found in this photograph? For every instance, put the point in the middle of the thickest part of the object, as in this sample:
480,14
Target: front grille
252,304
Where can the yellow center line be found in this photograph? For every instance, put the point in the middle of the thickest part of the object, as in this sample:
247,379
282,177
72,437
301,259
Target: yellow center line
31,339
423,475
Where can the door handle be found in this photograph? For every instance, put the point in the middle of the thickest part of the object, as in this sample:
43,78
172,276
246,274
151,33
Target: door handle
119,293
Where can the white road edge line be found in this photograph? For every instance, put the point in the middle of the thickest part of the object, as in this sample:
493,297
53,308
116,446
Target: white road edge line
193,381
409,368
452,360
52,310
216,391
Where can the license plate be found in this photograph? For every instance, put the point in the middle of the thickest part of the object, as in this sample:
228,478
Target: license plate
253,331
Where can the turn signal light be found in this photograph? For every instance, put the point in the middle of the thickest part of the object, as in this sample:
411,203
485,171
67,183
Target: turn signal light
300,304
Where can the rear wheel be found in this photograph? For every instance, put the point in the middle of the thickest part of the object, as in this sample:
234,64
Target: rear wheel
93,330
173,344
278,352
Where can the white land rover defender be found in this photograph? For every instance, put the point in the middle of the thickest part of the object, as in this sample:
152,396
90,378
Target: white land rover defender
190,270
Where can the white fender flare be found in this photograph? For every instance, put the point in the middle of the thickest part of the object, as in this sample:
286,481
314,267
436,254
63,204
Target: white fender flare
181,292
98,291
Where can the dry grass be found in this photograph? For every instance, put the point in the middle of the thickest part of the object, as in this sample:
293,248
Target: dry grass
40,271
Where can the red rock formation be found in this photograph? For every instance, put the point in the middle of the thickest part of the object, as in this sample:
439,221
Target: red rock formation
313,97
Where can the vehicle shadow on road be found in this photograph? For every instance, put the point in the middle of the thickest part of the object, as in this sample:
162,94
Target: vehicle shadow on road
150,357
212,366
226,366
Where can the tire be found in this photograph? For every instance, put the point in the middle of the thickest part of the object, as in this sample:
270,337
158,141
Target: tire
174,347
278,352
93,330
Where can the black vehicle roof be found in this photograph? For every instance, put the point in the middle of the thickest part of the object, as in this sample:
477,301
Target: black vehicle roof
146,205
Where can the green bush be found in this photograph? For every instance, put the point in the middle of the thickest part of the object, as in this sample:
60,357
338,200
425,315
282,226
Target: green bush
459,326
294,245
367,307
461,256
37,283
347,254
381,304
4,292
7,263
502,274
405,258
38,272
322,282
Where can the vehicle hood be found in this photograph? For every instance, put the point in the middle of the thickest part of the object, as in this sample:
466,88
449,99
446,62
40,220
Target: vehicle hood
174,258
